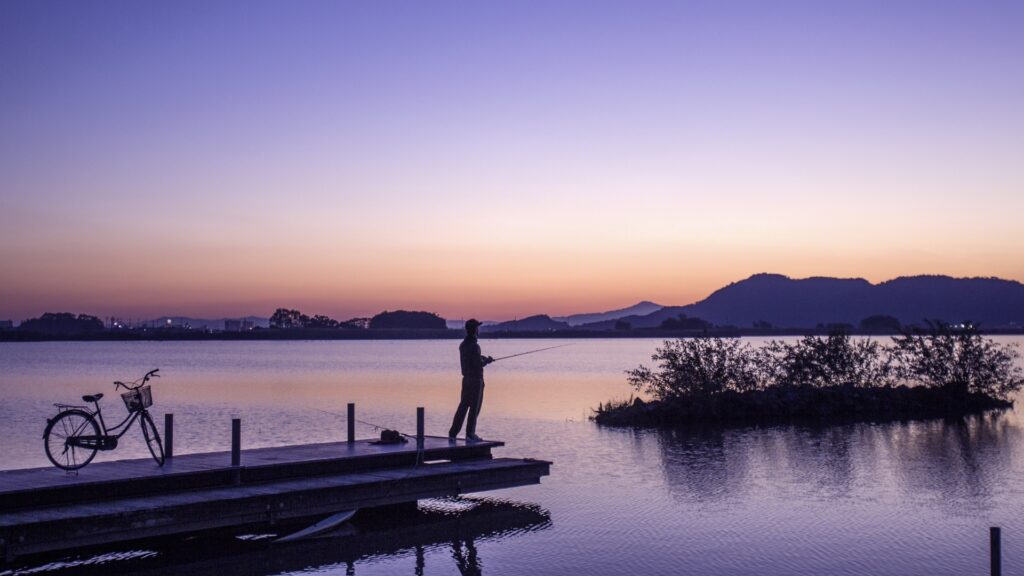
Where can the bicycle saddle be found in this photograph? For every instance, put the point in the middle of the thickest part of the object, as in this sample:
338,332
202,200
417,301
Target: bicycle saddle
92,397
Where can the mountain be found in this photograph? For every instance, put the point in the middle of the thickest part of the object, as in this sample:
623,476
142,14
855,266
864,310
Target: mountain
803,303
651,320
538,323
460,324
638,309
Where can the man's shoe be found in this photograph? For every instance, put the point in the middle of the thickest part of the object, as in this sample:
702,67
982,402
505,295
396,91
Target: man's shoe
451,439
474,438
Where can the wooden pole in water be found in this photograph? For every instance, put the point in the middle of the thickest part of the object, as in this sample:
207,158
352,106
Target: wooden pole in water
236,441
995,546
419,426
168,436
351,423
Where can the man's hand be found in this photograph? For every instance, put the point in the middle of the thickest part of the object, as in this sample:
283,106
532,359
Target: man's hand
488,360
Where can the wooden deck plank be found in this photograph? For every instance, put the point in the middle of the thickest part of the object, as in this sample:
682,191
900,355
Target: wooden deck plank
95,511
48,509
80,511
41,486
119,519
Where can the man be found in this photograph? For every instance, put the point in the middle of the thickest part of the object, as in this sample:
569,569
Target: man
473,363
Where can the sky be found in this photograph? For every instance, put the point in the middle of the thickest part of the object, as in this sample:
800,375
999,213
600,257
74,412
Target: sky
497,159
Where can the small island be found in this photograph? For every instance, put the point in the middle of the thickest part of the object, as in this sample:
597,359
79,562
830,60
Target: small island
939,372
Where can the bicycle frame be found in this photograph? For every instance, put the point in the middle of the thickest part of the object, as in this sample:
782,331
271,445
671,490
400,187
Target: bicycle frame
106,440
124,425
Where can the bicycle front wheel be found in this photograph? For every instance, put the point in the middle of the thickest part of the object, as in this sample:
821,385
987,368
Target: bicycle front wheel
149,432
60,439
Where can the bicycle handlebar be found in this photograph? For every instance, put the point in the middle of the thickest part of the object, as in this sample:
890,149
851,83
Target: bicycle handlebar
137,383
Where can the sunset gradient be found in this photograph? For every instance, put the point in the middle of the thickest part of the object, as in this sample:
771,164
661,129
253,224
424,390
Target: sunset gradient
497,159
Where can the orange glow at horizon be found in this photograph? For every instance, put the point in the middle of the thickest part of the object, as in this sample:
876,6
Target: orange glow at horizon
497,160
492,282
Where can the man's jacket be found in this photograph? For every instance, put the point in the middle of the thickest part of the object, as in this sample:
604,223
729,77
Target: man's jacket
471,358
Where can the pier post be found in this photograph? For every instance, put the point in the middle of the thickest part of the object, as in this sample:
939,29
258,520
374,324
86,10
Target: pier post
351,423
168,436
419,426
996,545
236,441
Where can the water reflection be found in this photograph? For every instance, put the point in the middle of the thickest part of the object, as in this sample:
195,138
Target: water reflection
703,463
848,500
957,463
819,459
456,525
466,560
960,463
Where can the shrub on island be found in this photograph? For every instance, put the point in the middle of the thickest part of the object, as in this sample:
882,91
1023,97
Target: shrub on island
938,373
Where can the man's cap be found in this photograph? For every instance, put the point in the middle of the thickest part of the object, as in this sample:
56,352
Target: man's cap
472,323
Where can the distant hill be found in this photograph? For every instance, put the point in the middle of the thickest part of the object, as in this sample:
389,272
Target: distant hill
773,300
406,320
638,309
805,303
651,320
66,323
460,324
538,323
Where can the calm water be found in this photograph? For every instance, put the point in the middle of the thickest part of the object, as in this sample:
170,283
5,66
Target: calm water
912,498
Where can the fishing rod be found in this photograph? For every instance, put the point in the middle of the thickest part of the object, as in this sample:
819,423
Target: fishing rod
530,352
379,427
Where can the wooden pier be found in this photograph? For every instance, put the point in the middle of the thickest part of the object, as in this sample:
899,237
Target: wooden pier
46,509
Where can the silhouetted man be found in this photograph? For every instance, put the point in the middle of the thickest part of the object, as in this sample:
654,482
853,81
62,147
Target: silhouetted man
473,363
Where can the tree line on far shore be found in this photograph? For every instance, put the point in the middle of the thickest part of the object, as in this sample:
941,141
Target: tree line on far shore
83,325
285,318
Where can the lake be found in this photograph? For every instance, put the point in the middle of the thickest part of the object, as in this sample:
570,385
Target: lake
898,498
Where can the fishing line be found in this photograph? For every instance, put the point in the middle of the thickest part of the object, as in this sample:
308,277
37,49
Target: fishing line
364,422
382,427
372,425
531,352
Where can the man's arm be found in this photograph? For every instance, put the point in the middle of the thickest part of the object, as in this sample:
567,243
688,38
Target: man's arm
484,360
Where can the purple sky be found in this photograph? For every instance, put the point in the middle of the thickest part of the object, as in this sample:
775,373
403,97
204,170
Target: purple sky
497,159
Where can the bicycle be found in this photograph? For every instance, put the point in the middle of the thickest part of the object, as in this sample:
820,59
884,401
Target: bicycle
76,433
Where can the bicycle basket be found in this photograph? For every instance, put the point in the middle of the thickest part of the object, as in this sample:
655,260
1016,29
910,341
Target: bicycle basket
138,399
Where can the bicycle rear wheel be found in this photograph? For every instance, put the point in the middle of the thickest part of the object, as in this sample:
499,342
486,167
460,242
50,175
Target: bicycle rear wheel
69,425
156,447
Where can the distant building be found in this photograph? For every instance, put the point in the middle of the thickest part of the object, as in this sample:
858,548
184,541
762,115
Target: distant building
240,325
362,323
6,325
175,323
